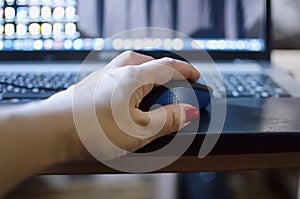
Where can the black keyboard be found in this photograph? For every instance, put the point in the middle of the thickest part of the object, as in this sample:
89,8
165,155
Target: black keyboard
246,85
16,86
33,86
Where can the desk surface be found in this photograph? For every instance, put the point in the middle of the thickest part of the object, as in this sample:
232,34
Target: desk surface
289,60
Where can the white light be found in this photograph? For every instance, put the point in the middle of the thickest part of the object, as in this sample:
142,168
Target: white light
58,45
157,43
46,12
8,43
48,44
1,29
22,13
1,45
117,44
98,44
197,44
138,44
127,44
178,44
21,30
230,44
46,29
46,2
212,44
70,12
148,44
1,12
34,12
68,44
71,2
78,44
10,2
21,2
87,44
18,44
58,13
167,44
9,30
58,2
34,29
240,45
57,28
255,45
28,44
33,1
38,44
10,13
222,44
70,29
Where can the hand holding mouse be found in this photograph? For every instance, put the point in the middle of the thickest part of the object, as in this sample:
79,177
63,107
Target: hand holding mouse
127,71
45,132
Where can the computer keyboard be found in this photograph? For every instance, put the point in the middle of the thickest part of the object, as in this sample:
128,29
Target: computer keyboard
246,85
26,86
33,85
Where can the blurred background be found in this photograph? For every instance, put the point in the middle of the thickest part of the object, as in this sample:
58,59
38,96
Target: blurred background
286,24
271,184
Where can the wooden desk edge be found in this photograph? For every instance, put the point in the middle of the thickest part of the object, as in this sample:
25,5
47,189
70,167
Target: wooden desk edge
193,164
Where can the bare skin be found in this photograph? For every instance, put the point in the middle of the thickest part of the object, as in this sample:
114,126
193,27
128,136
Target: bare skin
43,133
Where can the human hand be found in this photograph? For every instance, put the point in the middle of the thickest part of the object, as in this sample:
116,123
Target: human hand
114,95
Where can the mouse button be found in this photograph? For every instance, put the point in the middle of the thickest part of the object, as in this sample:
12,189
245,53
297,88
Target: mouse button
178,83
178,95
203,97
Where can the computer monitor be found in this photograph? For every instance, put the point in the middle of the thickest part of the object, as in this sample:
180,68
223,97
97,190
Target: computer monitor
85,25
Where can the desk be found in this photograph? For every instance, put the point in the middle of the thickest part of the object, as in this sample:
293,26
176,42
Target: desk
287,59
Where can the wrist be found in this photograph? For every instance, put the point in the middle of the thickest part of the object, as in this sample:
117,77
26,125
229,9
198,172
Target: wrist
59,109
53,126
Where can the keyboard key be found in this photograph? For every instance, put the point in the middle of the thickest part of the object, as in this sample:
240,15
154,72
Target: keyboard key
27,95
251,85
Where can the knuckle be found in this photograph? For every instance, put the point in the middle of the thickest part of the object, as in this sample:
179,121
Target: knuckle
169,61
130,54
175,121
132,72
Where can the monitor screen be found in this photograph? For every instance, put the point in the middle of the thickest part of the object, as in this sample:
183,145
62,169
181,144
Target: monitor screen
84,25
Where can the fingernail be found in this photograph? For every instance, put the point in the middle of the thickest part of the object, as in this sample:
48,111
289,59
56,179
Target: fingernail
191,114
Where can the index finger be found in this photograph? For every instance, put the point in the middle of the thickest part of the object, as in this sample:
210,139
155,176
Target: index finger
129,58
163,70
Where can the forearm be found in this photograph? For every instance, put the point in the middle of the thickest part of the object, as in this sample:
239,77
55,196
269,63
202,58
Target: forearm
32,137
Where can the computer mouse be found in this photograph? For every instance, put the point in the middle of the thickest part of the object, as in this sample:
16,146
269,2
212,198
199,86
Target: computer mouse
177,91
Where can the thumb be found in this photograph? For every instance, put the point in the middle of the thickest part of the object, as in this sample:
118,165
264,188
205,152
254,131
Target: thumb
175,117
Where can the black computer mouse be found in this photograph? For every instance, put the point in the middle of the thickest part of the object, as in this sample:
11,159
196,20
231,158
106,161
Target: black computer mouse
176,91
